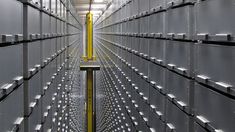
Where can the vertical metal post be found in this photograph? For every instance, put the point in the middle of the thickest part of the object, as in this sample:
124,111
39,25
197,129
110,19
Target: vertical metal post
41,62
67,66
25,67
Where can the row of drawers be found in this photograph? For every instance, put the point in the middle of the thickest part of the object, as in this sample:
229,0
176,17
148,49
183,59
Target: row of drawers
193,60
182,95
12,27
113,115
44,92
189,22
53,50
76,99
40,106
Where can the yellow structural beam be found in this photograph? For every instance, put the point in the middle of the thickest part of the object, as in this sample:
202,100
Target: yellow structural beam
89,34
89,65
89,57
89,100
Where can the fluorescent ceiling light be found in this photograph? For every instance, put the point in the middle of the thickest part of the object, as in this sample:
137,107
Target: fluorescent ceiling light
93,6
84,15
92,11
95,11
97,6
98,1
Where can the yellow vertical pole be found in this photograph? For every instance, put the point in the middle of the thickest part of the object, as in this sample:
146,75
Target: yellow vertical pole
89,100
89,65
89,58
89,25
89,22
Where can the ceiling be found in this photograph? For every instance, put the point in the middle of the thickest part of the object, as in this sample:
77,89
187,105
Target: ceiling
97,7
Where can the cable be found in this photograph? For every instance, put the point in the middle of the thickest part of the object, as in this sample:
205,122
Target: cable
90,6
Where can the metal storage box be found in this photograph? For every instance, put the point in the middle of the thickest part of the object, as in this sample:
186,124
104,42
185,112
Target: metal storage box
157,24
216,63
155,123
11,58
34,88
176,120
178,88
156,75
215,18
34,54
216,109
157,101
33,23
179,56
11,25
8,111
180,22
157,49
46,24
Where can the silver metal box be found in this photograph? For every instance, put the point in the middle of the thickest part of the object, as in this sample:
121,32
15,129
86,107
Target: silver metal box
11,58
180,22
8,111
179,56
214,107
11,13
216,62
176,120
215,18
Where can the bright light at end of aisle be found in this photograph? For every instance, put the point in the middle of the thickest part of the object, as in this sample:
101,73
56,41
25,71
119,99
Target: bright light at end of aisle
99,1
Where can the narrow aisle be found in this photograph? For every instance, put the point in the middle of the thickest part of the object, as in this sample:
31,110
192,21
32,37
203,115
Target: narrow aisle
114,116
117,65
